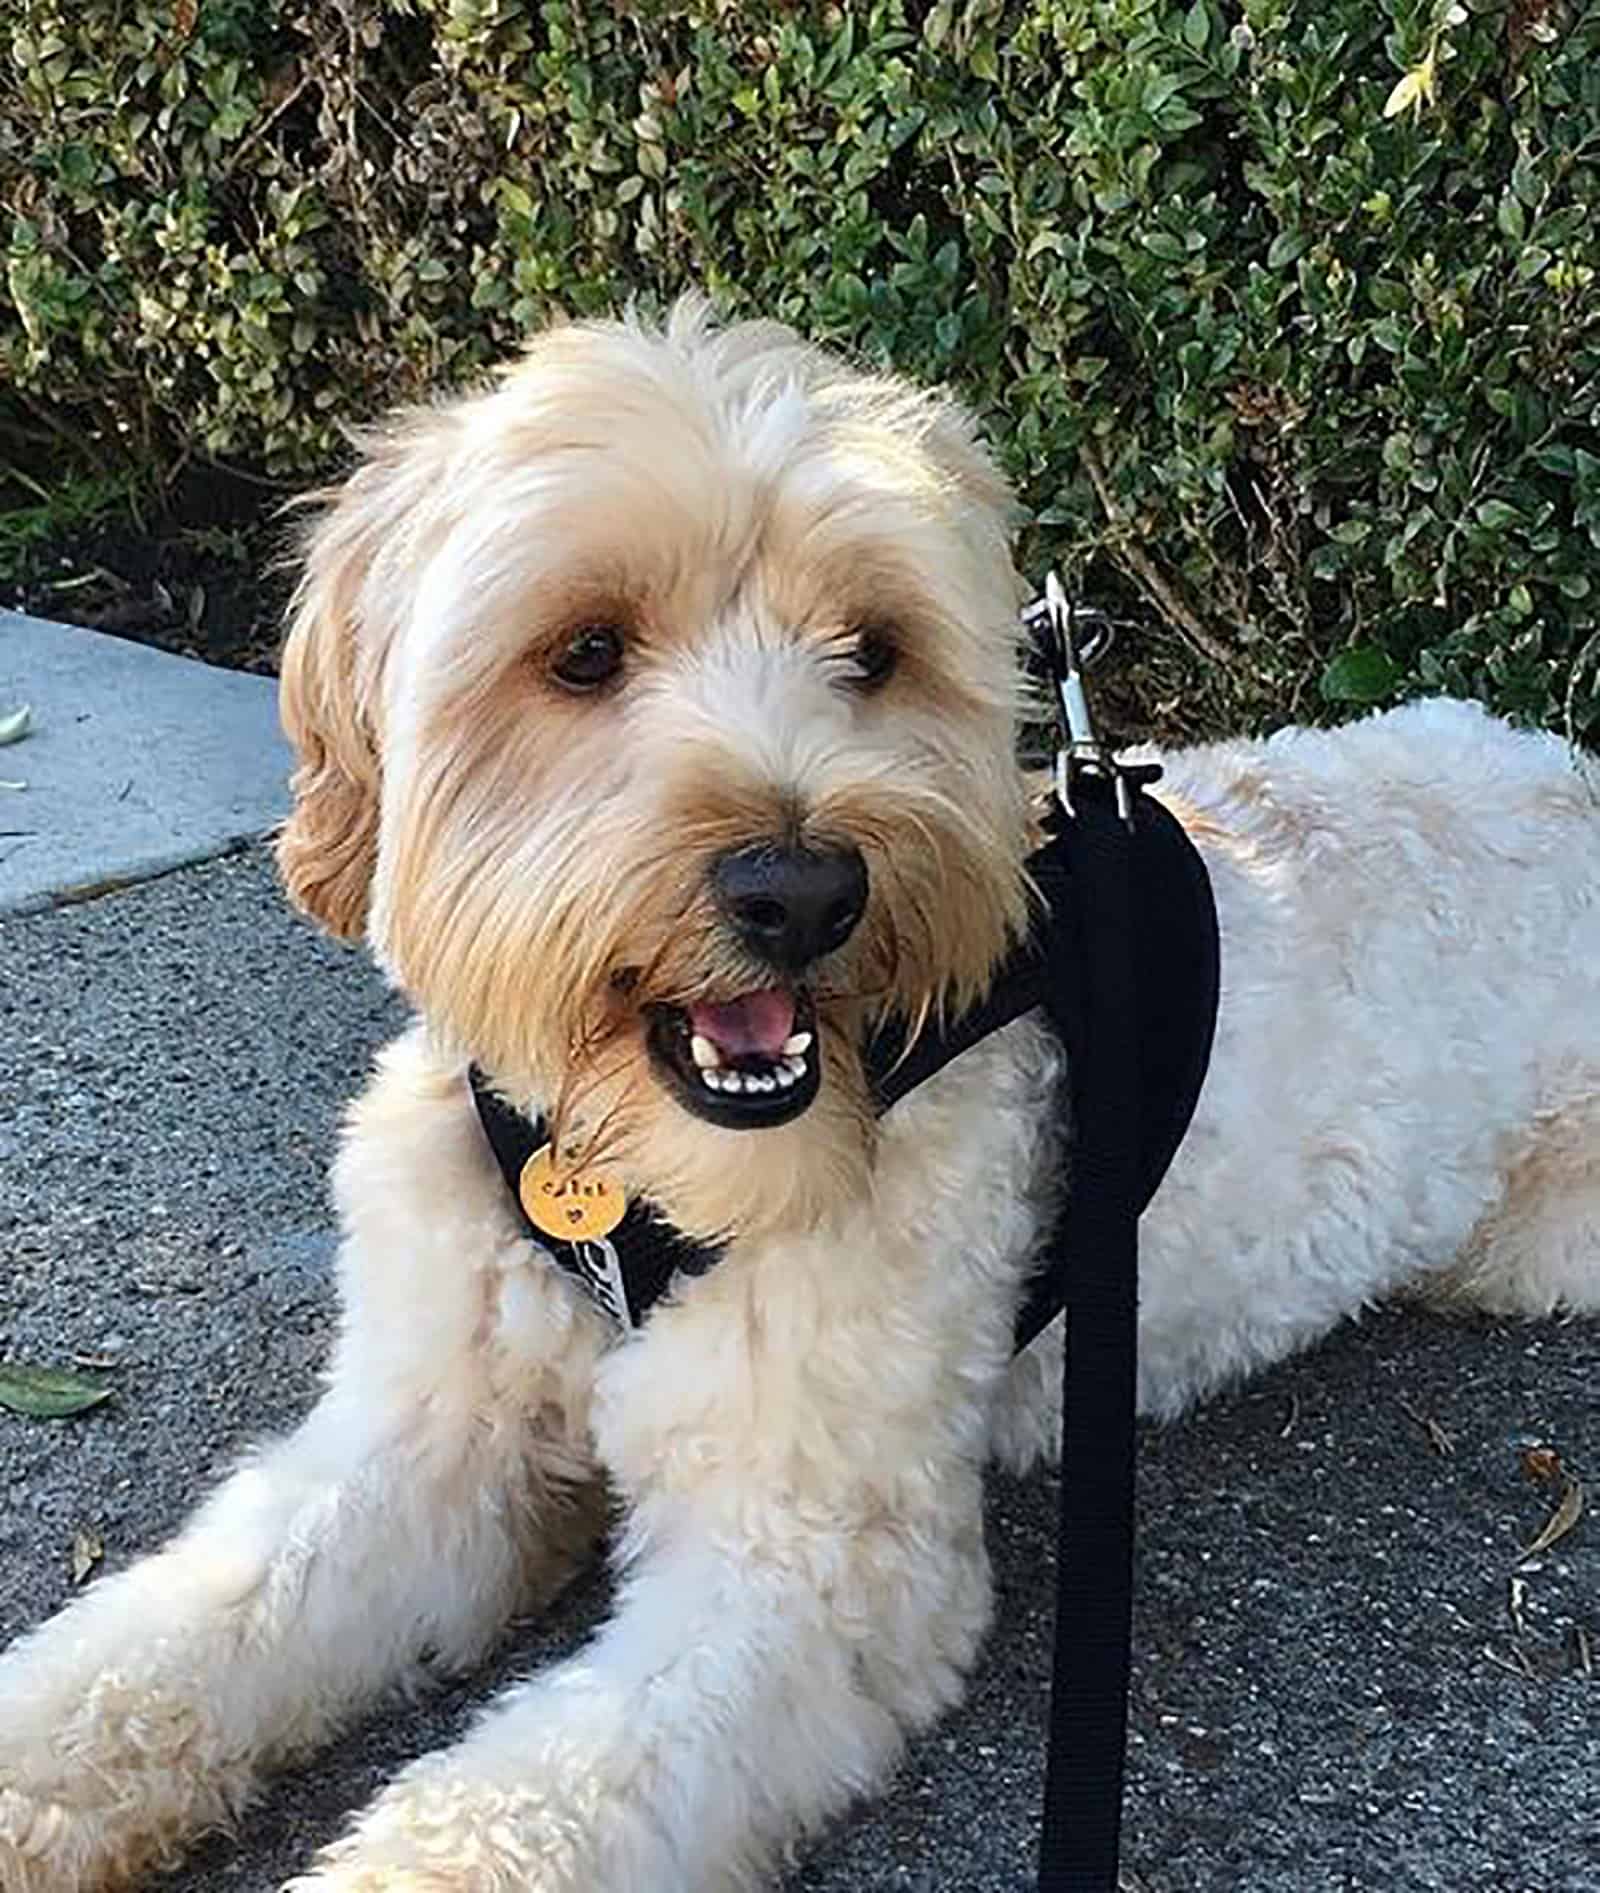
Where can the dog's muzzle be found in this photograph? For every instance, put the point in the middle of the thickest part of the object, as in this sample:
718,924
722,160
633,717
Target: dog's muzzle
753,1060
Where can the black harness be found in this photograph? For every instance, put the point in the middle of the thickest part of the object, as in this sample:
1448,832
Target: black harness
1176,974
1123,960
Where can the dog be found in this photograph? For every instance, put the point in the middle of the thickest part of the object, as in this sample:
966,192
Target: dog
656,714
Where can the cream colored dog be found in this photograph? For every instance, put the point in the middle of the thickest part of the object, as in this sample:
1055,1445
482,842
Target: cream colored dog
656,712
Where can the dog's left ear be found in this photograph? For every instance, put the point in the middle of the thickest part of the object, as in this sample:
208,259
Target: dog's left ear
962,452
990,510
346,612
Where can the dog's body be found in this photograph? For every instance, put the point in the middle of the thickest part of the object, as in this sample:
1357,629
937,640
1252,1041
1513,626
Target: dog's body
1404,1097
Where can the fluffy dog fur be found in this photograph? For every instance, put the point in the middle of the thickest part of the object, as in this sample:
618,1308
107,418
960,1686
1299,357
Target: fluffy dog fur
1405,1096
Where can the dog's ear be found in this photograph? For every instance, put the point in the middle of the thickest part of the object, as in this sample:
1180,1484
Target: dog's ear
959,451
346,610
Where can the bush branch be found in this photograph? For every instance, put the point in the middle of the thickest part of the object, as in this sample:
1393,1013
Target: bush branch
1157,585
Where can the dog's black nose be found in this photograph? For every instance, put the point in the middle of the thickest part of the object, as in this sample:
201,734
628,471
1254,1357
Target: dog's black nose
791,905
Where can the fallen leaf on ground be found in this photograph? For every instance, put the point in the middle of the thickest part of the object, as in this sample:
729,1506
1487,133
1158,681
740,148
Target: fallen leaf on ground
47,1393
1562,1520
87,1551
15,726
1541,1464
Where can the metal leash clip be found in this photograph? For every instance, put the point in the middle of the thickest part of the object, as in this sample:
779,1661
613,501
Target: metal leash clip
1055,621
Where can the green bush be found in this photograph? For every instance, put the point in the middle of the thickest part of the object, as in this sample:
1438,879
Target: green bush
1312,387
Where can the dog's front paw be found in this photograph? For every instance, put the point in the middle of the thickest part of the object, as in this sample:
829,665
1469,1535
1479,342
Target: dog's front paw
359,1879
351,1867
442,1829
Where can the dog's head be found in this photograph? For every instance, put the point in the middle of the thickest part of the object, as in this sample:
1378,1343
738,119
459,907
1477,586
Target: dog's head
655,713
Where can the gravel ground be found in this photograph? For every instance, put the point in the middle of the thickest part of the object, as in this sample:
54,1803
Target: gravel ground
1335,1687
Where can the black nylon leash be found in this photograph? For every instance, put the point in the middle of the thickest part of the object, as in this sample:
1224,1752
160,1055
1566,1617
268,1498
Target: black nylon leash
1121,1035
1094,1251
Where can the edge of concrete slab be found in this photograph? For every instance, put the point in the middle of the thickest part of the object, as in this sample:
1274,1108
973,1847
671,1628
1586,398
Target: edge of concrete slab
138,762
135,874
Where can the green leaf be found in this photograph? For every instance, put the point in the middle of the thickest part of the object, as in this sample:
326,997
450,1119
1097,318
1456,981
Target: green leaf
1361,674
1557,458
1197,25
77,167
1561,226
1525,181
1164,244
1499,515
1512,218
1287,245
47,1393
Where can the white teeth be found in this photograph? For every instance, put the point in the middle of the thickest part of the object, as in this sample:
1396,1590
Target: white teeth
732,1080
797,1046
704,1053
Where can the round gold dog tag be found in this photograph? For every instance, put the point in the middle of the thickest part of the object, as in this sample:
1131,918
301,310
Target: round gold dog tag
580,1206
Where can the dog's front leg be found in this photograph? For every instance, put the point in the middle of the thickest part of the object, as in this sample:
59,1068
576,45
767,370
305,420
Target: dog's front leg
805,1581
751,1685
339,1561
442,1482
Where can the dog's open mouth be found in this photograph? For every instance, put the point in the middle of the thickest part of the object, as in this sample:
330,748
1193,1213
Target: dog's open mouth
745,1063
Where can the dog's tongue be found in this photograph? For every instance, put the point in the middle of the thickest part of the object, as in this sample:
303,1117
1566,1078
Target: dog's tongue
755,1024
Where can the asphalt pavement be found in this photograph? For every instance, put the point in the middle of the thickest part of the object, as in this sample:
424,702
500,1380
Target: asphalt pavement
1346,1677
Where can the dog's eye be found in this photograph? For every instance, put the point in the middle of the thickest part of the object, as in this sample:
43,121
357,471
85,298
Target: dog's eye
592,656
873,660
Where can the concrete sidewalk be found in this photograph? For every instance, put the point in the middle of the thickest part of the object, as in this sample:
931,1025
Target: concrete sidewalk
1331,1694
136,762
